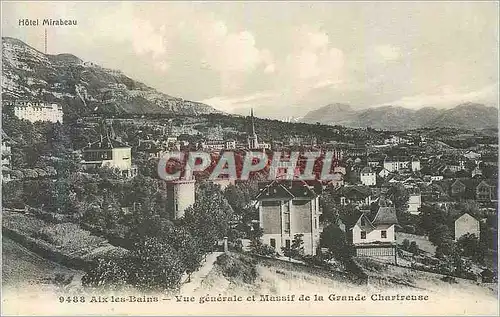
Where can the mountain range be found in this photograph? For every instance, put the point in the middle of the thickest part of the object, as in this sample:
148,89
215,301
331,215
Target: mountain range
82,87
468,115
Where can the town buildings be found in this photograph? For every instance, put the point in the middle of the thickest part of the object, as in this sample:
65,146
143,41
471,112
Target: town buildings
218,145
414,201
379,229
287,208
38,111
6,158
368,176
398,163
109,152
486,191
376,237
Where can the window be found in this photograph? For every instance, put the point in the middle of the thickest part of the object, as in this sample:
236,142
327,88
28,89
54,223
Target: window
287,244
287,223
363,234
363,221
383,234
286,215
273,243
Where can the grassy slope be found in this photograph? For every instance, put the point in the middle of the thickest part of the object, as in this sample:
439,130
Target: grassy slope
462,297
21,267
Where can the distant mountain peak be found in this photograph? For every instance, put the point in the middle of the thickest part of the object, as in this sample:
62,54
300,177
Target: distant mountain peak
467,115
339,106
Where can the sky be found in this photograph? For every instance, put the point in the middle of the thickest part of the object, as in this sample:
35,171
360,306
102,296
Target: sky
283,58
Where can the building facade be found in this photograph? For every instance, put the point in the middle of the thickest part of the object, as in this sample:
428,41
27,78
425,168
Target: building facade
108,152
414,201
287,208
393,164
6,160
486,191
33,112
368,177
466,224
382,229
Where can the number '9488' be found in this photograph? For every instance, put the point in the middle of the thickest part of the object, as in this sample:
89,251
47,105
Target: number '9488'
71,299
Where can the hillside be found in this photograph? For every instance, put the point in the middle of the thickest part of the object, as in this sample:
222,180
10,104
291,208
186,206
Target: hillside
474,116
464,116
338,113
81,87
279,278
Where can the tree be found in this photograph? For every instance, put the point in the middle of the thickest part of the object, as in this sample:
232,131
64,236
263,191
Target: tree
462,266
329,207
186,245
155,265
335,240
439,234
469,246
399,196
12,194
239,198
445,249
151,265
296,250
210,215
413,248
430,218
406,245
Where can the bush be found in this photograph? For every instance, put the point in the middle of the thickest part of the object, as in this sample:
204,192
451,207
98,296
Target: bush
62,280
406,245
238,266
316,260
236,245
296,250
257,247
107,273
371,265
413,248
449,279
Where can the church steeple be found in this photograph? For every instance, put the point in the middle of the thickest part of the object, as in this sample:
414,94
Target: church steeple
252,136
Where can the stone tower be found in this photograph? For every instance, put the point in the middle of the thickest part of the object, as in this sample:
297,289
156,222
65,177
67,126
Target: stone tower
180,195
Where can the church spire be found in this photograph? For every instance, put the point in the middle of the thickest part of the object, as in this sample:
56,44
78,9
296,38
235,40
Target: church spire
252,136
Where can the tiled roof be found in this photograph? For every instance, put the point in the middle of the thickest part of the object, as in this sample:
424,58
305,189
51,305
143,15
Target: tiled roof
466,215
286,190
106,143
367,170
385,216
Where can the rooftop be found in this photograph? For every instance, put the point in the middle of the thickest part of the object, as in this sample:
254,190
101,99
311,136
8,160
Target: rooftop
105,143
385,216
